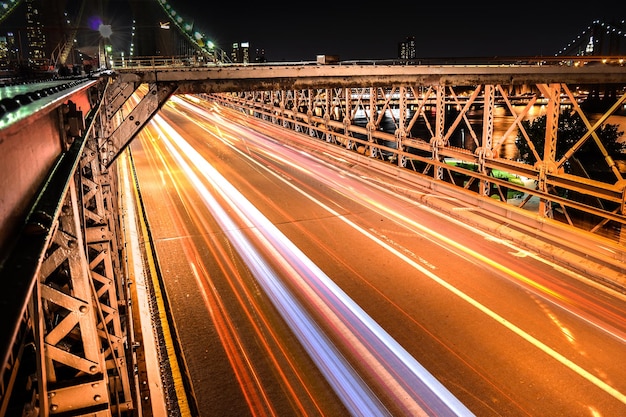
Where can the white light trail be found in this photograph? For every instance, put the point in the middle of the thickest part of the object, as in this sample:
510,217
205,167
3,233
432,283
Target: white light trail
350,193
397,372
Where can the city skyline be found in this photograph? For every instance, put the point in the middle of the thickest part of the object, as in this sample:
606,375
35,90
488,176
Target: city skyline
451,29
286,35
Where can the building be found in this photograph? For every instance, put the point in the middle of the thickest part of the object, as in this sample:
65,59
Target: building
36,38
4,52
406,48
260,56
240,53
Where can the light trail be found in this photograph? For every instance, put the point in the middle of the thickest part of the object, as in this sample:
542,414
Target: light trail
572,303
252,386
215,306
534,341
358,195
409,383
231,341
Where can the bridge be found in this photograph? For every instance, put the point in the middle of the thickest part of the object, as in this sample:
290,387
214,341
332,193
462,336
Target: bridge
67,334
64,298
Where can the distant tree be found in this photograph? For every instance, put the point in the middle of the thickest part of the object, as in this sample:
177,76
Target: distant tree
571,129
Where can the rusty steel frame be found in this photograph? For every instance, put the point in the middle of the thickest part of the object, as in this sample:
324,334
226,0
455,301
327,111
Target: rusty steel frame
67,349
328,114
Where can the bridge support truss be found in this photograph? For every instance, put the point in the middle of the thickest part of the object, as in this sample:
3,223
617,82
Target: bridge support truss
67,340
380,122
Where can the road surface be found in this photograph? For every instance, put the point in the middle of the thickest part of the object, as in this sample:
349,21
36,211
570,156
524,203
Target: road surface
300,284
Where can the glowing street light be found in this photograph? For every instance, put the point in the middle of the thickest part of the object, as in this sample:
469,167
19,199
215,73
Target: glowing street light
105,31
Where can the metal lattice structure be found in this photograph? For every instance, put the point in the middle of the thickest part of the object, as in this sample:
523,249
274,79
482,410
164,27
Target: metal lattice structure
66,345
589,205
328,114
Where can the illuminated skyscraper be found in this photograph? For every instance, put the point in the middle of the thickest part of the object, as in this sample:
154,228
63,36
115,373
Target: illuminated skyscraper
240,52
260,55
35,35
4,51
406,49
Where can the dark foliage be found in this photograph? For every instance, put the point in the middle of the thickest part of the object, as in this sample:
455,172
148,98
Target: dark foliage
571,129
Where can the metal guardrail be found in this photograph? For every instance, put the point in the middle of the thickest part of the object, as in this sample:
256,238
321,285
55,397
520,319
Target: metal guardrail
327,114
524,61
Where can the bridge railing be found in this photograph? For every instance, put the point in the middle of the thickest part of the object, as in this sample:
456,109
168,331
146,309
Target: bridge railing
200,61
532,193
163,61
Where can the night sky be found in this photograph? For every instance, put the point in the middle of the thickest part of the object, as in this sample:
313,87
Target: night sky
294,31
298,31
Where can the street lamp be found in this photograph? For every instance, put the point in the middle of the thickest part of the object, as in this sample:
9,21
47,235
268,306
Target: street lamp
105,33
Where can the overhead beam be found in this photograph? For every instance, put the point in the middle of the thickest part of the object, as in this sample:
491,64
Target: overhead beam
240,78
112,146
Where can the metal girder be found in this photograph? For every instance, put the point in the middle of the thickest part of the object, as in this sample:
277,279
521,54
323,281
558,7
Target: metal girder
441,109
485,150
437,141
64,345
548,164
111,147
74,373
240,78
117,92
102,233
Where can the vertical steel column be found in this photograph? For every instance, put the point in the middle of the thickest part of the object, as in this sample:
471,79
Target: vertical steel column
309,111
372,150
485,150
438,140
102,232
400,133
272,107
548,165
74,375
327,109
347,116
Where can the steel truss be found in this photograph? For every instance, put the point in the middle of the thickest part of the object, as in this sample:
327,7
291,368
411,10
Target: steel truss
589,205
70,352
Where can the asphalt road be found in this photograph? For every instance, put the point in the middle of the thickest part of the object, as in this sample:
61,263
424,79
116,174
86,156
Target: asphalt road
276,260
